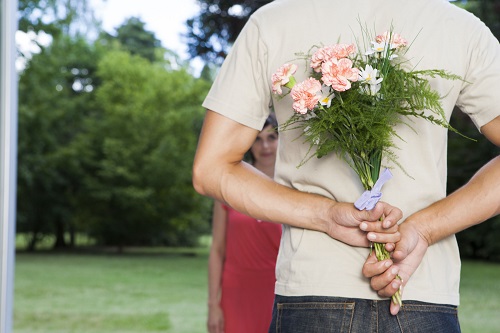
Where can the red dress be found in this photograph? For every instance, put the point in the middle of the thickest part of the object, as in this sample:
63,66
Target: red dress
248,276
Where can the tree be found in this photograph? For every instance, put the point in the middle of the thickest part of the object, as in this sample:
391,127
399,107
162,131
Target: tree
211,34
133,37
54,92
92,158
136,156
55,95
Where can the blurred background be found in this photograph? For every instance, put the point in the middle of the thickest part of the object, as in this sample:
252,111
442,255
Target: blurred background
111,236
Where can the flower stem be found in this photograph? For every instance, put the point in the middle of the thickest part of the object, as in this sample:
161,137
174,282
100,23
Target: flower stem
372,174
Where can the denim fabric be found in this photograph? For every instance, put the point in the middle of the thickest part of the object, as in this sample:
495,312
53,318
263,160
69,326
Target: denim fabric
316,314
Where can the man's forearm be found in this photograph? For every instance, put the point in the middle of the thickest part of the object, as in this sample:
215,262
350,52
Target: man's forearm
472,204
249,191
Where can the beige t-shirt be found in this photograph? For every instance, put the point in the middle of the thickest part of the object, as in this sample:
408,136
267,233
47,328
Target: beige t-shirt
442,36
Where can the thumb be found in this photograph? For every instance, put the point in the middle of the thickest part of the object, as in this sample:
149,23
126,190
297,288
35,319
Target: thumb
394,308
405,246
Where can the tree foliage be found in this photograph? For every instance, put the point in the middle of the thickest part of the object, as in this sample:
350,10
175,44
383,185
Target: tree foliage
211,33
55,17
137,155
107,133
134,38
54,99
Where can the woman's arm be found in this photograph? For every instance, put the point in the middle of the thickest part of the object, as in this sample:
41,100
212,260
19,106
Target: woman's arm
215,322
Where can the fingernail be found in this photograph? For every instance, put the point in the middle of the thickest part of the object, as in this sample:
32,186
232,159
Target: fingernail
395,285
387,264
363,226
394,270
387,224
372,237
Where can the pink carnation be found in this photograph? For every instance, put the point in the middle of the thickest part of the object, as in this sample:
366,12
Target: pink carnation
340,74
321,56
396,40
329,53
305,95
282,77
343,50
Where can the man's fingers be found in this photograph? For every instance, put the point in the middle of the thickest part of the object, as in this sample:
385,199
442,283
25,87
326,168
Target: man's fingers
389,214
383,276
373,267
389,289
377,227
383,237
404,248
390,247
394,308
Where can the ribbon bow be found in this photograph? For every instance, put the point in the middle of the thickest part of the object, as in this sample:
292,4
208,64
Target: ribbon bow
369,198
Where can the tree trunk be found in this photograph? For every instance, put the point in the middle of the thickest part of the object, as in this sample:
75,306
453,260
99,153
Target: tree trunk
60,242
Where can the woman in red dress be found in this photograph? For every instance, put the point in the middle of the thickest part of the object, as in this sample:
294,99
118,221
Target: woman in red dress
241,269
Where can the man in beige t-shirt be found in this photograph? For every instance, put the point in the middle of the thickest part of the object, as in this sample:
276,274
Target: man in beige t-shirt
323,276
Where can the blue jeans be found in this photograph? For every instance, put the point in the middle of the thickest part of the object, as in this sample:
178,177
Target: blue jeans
317,314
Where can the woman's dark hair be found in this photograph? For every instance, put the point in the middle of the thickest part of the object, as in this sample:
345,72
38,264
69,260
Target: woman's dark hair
271,120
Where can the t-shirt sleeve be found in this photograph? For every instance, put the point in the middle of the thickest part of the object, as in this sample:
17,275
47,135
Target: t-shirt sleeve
241,89
480,97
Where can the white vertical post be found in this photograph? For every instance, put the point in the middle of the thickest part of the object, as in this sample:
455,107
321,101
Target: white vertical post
8,159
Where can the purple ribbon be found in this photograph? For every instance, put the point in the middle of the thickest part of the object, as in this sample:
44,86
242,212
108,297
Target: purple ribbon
369,198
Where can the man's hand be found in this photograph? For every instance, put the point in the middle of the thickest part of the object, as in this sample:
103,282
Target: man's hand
360,227
407,256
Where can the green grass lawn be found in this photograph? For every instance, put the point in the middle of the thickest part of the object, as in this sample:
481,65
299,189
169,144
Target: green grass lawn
479,311
140,292
165,291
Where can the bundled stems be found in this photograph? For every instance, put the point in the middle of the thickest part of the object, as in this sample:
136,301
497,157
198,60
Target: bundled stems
380,251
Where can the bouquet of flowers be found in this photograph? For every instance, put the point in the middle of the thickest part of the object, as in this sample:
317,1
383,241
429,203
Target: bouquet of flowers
351,102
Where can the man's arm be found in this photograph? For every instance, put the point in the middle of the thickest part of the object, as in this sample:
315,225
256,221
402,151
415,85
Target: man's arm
475,202
219,172
472,204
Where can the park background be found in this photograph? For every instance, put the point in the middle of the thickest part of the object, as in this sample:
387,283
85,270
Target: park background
111,236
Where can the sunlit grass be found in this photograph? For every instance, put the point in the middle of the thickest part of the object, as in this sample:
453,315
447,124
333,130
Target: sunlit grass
479,311
153,292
